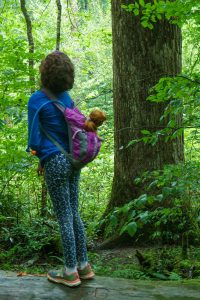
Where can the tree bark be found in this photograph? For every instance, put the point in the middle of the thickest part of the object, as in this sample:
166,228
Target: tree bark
140,58
43,211
59,6
30,42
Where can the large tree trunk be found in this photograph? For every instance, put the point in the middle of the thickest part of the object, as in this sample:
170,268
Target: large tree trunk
140,58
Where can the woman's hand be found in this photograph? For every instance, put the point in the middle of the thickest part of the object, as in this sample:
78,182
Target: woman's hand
40,170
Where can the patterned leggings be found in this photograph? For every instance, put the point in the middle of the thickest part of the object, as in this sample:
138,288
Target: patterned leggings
62,183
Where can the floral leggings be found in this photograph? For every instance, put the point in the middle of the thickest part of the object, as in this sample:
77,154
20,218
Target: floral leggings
62,183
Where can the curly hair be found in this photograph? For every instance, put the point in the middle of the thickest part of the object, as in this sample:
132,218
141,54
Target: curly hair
57,72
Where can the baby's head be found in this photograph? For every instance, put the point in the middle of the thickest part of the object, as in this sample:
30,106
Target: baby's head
96,119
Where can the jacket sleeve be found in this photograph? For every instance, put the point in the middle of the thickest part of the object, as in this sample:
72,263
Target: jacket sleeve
34,134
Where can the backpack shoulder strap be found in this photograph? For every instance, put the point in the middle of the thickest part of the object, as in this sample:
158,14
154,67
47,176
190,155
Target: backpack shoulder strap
54,141
53,98
62,108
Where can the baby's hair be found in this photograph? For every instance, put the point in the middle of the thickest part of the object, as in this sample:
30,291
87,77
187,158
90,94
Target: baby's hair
96,119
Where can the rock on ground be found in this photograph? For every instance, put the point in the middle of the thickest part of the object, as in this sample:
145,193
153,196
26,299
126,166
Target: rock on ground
39,288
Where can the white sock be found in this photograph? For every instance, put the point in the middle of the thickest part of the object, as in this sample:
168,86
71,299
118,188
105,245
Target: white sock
83,264
71,270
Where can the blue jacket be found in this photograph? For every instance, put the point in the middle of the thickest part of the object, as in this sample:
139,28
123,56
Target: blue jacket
41,110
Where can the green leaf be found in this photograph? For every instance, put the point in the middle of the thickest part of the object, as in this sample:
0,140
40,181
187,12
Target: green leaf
159,16
160,276
123,229
177,133
131,7
159,197
113,220
141,200
133,142
136,5
132,228
144,216
166,191
141,2
153,184
125,209
145,132
150,26
146,140
154,140
174,276
137,180
131,215
136,12
144,23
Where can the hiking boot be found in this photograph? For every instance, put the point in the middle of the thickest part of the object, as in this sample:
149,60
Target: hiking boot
71,279
86,273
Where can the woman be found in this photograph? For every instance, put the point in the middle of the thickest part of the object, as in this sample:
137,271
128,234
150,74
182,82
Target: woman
57,77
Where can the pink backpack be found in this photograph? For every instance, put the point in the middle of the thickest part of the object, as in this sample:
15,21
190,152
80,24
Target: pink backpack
84,145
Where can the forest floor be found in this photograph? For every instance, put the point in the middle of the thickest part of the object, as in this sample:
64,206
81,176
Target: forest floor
149,263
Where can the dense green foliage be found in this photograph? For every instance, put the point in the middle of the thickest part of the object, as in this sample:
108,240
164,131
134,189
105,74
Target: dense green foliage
169,210
169,205
89,46
177,11
164,263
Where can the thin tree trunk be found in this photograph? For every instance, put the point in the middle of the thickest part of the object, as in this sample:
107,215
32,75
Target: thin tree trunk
86,4
140,58
59,6
30,42
72,8
43,198
83,4
104,4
